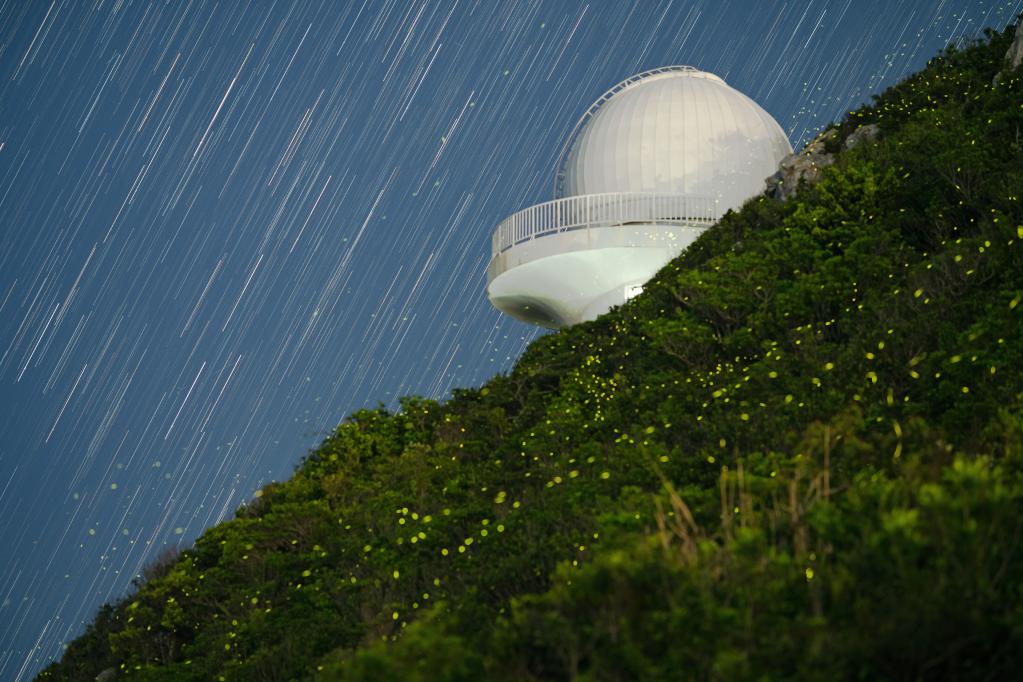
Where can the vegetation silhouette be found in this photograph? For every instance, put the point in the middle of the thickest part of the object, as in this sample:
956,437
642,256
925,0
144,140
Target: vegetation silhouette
798,454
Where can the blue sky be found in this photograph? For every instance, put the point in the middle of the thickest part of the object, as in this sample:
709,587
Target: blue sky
225,226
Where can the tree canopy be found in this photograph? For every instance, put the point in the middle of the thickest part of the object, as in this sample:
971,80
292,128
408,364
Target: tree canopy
798,454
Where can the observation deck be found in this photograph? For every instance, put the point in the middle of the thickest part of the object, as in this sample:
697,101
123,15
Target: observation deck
592,247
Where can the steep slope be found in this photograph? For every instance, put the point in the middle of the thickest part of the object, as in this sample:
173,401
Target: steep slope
798,454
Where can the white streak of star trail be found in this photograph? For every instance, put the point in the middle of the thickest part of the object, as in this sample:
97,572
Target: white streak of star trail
224,227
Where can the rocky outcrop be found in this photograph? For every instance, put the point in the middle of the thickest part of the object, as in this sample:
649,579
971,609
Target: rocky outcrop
1014,55
806,165
814,158
867,133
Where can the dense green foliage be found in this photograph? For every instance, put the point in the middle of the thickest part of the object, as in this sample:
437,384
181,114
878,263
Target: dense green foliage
798,454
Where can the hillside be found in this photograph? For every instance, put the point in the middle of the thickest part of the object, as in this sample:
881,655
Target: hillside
798,454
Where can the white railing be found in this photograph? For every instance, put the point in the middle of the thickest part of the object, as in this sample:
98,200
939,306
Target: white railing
602,210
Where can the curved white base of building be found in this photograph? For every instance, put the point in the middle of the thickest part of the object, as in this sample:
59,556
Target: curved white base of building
574,276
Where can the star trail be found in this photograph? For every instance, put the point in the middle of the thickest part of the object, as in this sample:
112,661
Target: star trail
225,226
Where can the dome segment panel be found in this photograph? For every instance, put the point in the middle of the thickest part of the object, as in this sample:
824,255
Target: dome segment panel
676,132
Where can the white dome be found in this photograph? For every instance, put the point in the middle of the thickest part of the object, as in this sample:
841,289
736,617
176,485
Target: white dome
674,130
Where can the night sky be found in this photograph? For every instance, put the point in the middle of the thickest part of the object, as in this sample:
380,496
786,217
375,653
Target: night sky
225,226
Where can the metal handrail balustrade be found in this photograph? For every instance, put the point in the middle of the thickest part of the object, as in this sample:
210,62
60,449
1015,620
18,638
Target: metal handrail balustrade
602,210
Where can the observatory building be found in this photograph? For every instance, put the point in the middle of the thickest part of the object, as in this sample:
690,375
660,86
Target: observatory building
650,165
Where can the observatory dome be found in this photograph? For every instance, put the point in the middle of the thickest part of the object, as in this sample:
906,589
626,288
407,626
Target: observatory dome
648,168
674,130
